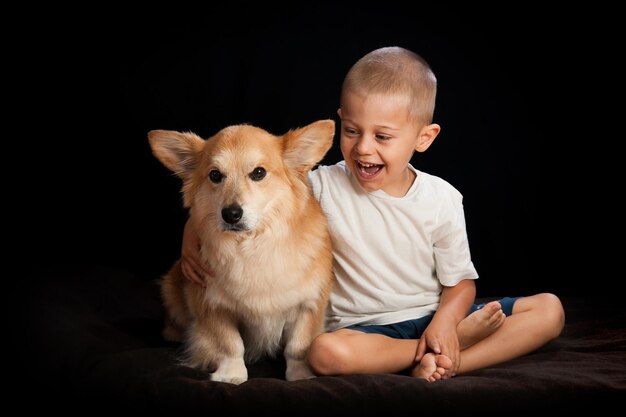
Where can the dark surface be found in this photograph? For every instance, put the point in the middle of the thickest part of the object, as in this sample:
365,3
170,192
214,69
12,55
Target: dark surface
90,337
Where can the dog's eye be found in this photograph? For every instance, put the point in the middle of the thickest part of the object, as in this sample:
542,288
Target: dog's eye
216,176
257,174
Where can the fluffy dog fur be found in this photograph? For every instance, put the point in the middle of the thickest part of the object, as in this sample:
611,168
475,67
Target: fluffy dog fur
266,238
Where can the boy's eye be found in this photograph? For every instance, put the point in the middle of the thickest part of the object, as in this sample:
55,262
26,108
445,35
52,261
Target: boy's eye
382,137
215,176
258,174
350,131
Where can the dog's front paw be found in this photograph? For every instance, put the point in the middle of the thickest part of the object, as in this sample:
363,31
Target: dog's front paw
233,371
229,378
298,369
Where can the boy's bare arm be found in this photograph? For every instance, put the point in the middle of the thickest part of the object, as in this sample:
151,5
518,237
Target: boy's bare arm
193,266
440,335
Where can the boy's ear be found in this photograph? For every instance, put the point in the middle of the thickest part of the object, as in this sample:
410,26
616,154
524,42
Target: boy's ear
426,136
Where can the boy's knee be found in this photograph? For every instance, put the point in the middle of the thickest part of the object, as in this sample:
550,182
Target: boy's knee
327,354
553,313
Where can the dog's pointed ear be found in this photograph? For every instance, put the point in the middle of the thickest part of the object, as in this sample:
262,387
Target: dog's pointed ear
179,152
306,146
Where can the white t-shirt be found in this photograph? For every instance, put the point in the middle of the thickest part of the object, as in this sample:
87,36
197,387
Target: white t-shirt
391,255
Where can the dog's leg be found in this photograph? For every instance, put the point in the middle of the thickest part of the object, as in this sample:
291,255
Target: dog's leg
172,332
298,336
214,340
177,316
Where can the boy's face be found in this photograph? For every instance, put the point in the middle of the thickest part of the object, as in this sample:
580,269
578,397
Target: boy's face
378,140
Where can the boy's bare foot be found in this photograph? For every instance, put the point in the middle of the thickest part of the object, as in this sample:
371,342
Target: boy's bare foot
432,367
480,324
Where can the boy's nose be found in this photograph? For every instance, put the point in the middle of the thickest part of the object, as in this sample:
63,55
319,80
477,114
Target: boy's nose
365,145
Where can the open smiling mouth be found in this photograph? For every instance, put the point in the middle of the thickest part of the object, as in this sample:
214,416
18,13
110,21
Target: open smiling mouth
369,170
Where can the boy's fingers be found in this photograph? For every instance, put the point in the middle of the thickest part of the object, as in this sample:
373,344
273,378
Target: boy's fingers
421,350
190,273
199,265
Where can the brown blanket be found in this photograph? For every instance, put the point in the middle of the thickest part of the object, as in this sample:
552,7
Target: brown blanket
88,340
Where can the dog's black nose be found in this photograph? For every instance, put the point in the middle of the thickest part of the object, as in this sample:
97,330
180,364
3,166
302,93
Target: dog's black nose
232,214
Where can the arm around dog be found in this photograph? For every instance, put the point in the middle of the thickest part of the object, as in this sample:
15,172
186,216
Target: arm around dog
193,266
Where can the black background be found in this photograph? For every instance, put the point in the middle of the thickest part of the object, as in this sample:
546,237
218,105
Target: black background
84,91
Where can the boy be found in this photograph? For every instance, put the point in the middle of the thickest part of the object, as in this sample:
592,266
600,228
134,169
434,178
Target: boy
405,279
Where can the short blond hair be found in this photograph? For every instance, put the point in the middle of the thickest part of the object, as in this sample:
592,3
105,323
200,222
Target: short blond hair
395,70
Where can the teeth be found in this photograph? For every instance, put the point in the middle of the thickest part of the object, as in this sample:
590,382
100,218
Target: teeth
367,165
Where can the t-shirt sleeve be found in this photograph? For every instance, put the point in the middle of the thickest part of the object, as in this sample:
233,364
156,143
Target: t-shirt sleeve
451,246
316,182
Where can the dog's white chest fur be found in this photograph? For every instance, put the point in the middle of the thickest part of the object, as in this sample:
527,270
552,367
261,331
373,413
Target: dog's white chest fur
265,288
261,281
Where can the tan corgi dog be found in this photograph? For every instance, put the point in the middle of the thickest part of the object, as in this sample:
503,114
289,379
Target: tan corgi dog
266,238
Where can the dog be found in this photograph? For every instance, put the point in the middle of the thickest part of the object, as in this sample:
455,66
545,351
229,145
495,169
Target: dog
266,238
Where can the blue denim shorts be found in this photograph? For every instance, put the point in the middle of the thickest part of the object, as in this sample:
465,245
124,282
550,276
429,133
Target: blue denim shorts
413,329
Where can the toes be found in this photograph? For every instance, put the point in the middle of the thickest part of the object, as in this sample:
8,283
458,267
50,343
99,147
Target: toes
502,317
495,319
493,307
499,319
443,361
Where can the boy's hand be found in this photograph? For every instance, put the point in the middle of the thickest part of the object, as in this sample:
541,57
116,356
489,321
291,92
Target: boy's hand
440,335
193,266
441,338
